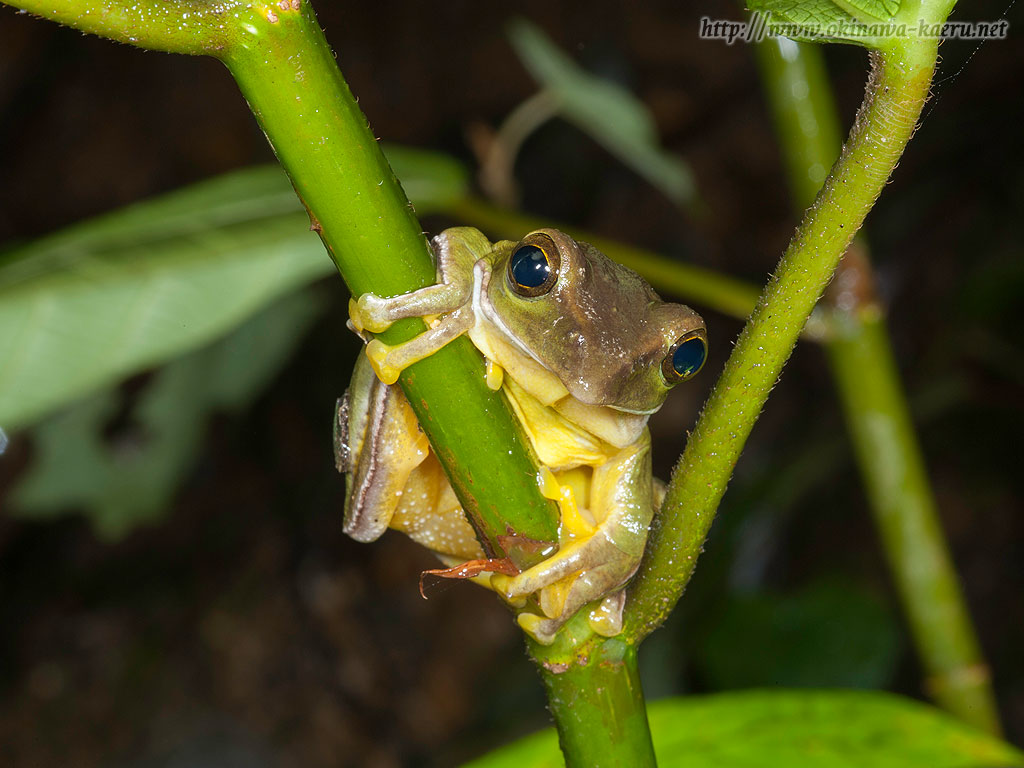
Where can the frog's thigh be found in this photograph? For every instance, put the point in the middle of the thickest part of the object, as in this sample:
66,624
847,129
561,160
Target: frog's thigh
621,497
385,446
620,502
430,514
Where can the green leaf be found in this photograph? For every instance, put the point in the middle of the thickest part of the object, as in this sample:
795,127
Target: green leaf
127,478
613,116
84,308
433,182
861,22
870,10
782,729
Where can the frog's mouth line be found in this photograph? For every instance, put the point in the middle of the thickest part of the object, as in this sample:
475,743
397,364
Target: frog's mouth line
482,307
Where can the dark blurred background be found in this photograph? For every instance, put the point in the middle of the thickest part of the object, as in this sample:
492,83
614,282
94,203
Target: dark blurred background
243,628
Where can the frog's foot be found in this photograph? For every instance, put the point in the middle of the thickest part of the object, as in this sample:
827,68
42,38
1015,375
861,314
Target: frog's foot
389,361
585,559
576,575
605,618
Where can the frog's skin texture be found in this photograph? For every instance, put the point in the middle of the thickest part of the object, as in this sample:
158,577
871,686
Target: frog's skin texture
585,351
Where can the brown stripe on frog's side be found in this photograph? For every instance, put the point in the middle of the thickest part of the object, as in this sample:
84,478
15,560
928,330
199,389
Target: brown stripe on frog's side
368,490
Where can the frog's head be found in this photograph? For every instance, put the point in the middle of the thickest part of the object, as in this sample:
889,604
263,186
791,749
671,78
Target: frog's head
595,324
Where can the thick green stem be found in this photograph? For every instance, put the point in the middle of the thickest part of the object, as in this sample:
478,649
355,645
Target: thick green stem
896,92
598,707
296,91
288,74
877,414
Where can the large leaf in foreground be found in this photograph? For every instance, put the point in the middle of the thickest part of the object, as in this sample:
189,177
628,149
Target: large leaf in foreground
782,729
88,306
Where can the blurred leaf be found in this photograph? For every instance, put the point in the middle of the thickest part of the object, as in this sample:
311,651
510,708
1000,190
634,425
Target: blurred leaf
783,729
433,181
830,634
128,479
610,114
83,308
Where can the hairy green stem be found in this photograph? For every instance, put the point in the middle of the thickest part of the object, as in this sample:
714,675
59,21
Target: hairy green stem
896,92
875,406
278,54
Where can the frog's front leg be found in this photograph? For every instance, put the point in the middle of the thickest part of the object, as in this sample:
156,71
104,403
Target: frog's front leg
458,251
598,566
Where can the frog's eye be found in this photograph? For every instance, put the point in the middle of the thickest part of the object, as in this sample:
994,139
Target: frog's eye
686,357
532,270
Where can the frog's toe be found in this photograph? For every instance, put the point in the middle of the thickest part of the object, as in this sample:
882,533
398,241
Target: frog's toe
552,598
524,585
369,312
540,629
377,352
501,584
606,618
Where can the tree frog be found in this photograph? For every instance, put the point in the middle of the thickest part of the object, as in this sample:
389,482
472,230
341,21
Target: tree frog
585,352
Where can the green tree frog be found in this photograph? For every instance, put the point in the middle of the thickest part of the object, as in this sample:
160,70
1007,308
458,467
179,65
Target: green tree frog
585,352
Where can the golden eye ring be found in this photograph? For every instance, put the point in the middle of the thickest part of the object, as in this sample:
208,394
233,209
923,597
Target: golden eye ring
533,266
686,357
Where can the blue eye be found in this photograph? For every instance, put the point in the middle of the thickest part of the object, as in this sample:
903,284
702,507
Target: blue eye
686,359
530,270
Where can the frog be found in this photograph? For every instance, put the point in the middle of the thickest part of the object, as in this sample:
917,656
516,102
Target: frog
585,352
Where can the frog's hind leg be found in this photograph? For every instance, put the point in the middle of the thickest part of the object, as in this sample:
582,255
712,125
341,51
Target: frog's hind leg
430,514
378,444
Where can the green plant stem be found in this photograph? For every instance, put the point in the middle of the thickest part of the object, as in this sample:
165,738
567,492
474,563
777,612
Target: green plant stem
599,710
895,95
277,53
800,98
323,141
875,406
904,508
896,92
